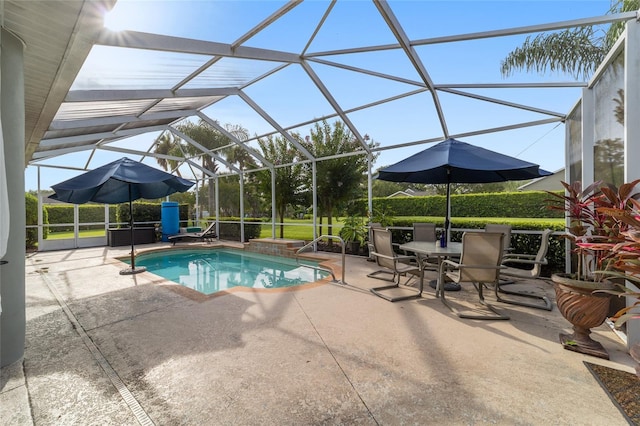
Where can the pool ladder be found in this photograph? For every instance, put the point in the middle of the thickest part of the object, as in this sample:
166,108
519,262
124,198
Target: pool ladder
320,268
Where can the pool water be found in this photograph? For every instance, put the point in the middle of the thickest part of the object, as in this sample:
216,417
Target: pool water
210,271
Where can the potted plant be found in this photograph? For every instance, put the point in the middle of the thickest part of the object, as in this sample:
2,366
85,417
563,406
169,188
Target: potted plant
625,260
353,232
629,312
595,232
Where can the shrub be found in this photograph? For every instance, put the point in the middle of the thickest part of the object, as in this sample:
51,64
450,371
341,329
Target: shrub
31,210
231,231
63,213
502,204
147,212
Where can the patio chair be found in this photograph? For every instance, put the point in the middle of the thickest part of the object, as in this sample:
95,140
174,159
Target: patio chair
512,268
394,264
505,229
370,240
479,264
207,235
426,232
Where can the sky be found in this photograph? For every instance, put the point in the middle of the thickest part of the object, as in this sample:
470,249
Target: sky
290,97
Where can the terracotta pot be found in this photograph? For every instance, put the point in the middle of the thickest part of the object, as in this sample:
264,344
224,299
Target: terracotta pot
584,310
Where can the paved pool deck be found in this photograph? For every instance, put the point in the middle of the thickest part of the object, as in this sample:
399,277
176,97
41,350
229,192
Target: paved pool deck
110,349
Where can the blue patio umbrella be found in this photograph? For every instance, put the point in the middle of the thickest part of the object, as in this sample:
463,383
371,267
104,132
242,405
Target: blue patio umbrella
121,181
453,161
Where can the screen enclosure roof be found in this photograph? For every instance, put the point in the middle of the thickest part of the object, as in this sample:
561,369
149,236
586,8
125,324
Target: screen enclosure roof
397,73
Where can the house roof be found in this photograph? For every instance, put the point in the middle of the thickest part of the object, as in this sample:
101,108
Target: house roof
545,183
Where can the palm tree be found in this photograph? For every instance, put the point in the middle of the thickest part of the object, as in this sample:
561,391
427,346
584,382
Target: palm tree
168,145
576,51
211,139
241,157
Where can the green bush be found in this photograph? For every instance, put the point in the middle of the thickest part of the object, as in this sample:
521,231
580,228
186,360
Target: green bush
60,213
147,212
63,213
501,204
31,211
89,213
231,231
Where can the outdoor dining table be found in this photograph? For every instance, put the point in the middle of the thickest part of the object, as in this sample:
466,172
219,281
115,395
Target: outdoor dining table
424,249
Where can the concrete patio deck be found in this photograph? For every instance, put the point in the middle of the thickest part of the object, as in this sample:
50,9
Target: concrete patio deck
110,349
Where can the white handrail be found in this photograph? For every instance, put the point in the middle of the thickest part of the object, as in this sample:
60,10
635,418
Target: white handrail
319,268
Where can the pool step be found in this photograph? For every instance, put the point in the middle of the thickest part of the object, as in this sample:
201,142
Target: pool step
274,246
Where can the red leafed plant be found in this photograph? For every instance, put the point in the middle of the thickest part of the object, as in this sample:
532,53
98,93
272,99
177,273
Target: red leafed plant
600,216
625,254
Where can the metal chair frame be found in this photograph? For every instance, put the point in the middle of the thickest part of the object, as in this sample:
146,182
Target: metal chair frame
394,264
480,264
536,261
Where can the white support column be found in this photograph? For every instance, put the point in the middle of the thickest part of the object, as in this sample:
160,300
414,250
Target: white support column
567,178
369,187
241,178
588,135
588,143
273,202
632,132
76,226
40,213
106,219
12,275
197,222
632,103
315,199
217,196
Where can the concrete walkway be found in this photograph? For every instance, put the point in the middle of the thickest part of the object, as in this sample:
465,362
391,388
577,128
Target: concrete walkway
107,349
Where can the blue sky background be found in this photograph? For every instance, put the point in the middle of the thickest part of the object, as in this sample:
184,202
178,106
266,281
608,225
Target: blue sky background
290,98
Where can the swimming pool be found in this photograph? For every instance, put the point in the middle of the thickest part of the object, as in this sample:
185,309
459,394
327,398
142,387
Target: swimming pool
213,270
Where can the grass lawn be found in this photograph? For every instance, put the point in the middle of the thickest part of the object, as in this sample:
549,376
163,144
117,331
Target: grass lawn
298,229
83,234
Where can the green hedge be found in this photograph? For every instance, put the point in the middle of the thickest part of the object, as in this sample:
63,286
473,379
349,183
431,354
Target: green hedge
142,212
231,231
503,204
31,210
148,212
63,213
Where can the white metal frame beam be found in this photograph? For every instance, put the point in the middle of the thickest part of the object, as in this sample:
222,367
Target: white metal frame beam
275,124
163,43
234,139
120,119
397,30
53,142
598,20
202,148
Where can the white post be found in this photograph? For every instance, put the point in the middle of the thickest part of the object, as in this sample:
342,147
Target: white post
273,202
12,275
241,177
632,133
315,199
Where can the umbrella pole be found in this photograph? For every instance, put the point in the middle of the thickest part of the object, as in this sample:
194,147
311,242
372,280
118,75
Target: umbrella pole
133,257
447,214
133,269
